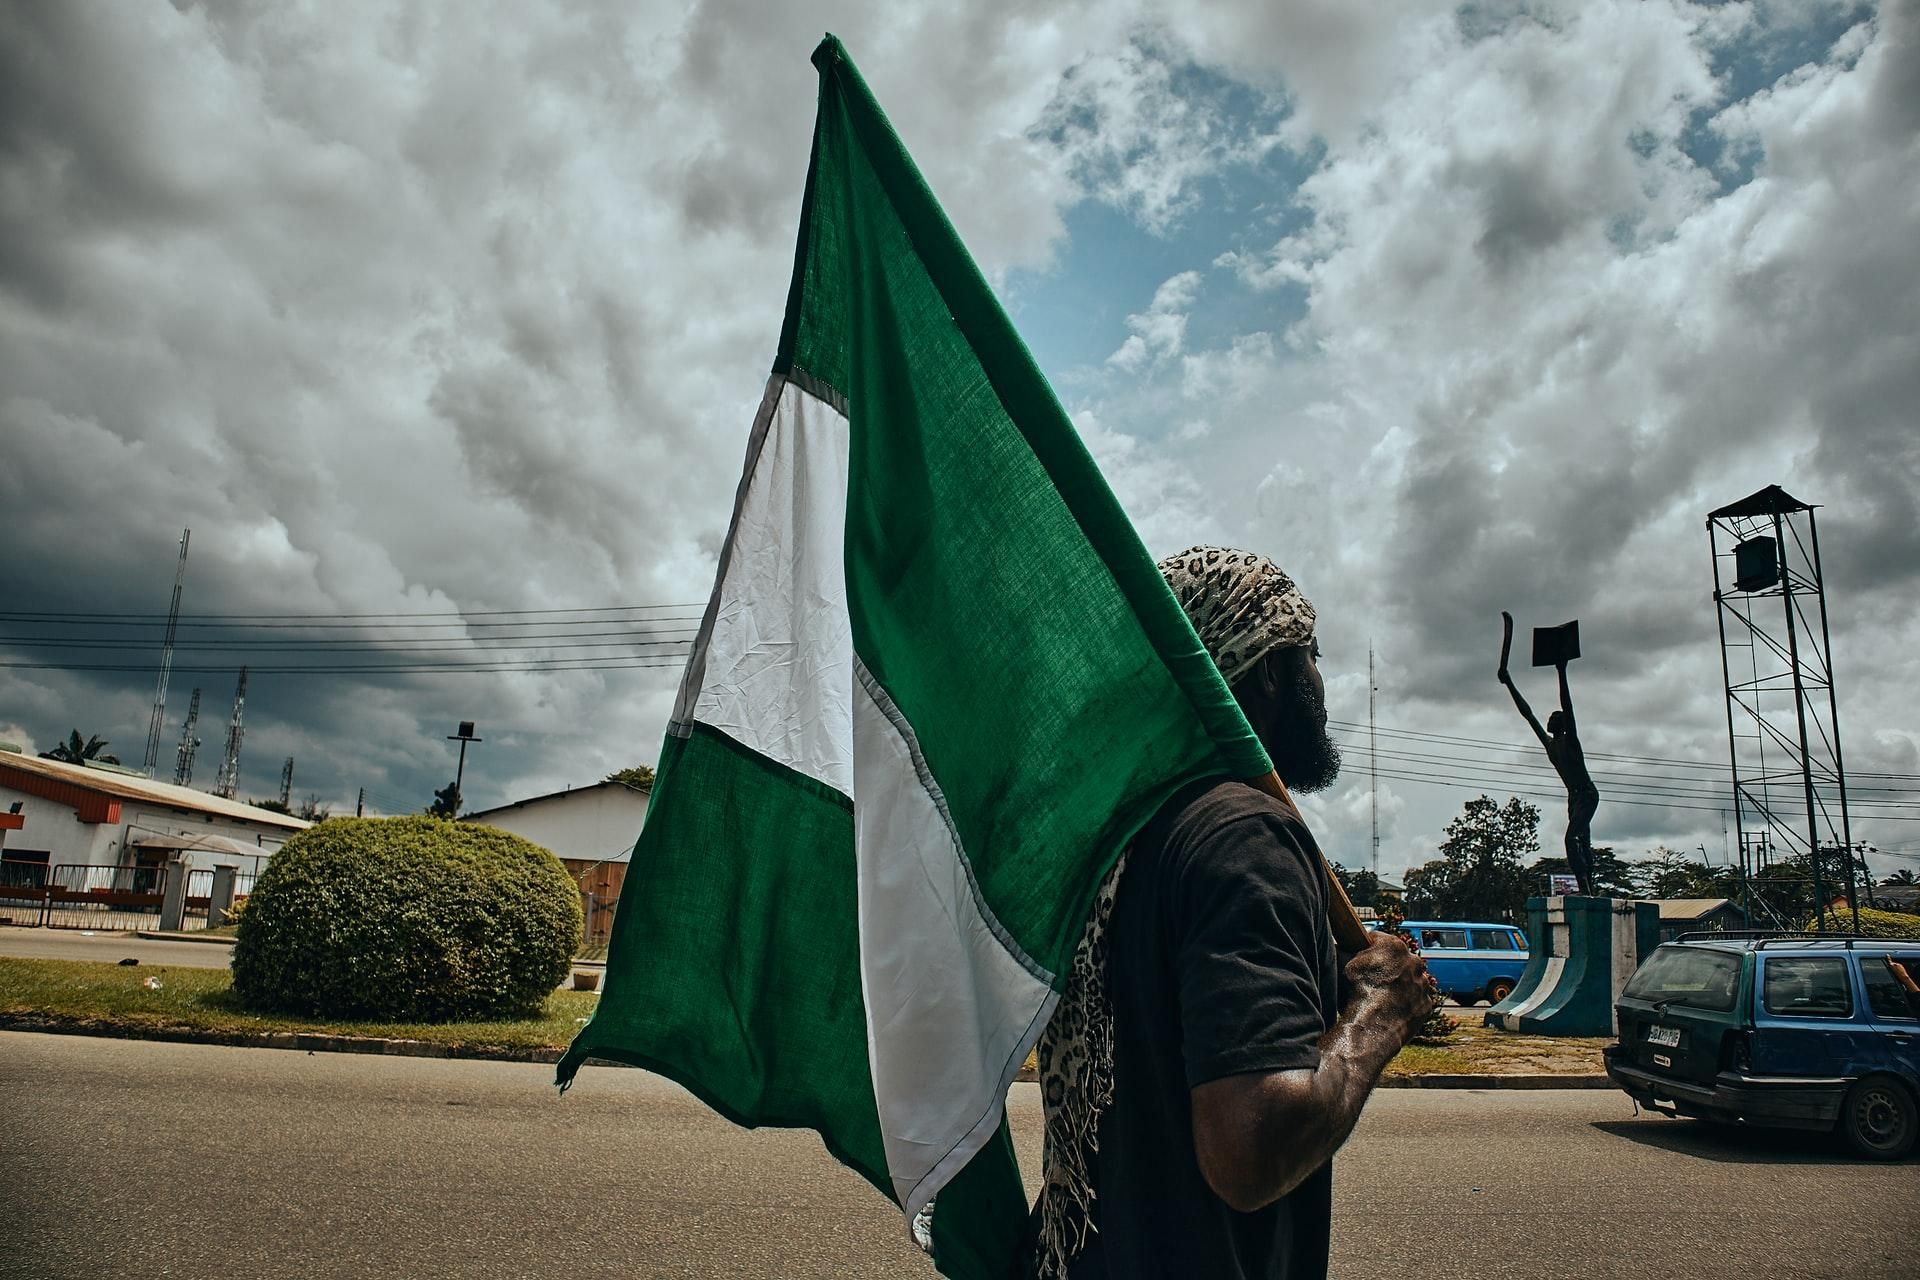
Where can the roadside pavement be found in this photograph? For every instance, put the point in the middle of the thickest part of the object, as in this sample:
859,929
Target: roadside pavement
202,1161
109,948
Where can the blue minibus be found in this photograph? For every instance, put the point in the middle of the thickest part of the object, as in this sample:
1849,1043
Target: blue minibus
1471,960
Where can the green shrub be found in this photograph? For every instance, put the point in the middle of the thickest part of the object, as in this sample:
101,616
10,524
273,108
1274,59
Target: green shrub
1874,923
407,920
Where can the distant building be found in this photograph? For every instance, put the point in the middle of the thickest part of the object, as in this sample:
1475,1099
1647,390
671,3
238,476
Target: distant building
1893,897
1698,915
73,815
591,829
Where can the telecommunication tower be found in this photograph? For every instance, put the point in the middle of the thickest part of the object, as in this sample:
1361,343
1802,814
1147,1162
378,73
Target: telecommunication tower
286,782
229,780
1783,718
166,661
1373,762
189,743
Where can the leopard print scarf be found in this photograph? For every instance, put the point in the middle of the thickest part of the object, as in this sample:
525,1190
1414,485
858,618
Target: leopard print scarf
1076,1088
1241,605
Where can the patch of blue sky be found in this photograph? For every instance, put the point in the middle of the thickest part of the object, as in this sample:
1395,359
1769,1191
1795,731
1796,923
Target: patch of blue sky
1074,314
1759,57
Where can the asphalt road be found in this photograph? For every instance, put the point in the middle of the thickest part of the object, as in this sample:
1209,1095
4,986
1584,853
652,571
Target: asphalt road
140,1159
76,944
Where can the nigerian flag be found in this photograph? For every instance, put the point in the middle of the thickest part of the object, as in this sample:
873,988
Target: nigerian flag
938,687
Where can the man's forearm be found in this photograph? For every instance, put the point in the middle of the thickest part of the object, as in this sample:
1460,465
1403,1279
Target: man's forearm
1300,1118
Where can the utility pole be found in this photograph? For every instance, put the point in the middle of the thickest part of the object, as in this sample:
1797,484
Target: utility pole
463,738
1373,762
189,743
286,783
360,805
166,662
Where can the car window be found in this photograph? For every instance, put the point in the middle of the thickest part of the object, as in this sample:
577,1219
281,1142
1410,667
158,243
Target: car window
1807,987
1519,941
1696,977
1885,994
1493,940
1456,939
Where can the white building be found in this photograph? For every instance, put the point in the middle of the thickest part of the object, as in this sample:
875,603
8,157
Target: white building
586,825
71,815
591,829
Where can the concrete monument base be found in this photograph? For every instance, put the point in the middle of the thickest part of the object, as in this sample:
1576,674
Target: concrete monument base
1583,951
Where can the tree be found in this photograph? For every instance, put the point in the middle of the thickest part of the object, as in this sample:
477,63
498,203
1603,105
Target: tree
75,751
1479,874
271,806
1363,887
446,802
1669,873
311,810
1903,876
1613,876
639,777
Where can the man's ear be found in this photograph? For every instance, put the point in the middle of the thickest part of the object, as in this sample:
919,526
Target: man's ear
1271,672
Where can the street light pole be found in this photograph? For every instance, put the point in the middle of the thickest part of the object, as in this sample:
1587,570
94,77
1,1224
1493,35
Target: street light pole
463,738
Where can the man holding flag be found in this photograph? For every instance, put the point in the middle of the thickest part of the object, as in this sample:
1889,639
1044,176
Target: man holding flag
938,689
1201,1071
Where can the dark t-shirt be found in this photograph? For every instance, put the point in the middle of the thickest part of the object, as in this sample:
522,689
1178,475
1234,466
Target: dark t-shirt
1221,963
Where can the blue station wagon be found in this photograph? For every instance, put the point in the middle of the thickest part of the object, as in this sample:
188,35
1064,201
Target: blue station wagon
1471,961
1791,1032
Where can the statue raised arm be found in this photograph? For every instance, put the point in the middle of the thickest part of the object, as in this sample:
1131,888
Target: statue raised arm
1560,736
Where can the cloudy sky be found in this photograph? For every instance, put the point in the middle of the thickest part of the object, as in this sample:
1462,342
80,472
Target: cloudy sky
442,325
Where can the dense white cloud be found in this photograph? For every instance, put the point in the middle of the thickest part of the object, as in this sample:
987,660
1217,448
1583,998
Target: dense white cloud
467,307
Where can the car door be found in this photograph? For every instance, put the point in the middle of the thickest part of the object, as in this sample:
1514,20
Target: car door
1892,1015
1805,1021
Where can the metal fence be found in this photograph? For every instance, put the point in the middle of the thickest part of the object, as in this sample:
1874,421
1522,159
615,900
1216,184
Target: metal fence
111,899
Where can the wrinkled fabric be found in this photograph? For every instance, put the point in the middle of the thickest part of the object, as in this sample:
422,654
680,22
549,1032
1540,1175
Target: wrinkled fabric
1241,605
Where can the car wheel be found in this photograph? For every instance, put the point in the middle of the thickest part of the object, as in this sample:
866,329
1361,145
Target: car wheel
1499,989
1879,1118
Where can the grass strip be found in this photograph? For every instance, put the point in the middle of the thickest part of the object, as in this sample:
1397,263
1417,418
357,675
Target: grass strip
113,999
79,993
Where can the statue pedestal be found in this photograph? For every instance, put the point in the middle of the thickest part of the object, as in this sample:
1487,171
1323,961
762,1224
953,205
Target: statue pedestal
1583,950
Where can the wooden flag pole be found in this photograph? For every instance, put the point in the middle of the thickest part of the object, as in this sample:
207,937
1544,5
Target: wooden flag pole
1348,933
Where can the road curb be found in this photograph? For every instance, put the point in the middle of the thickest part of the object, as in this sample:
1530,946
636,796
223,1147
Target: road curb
312,1042
155,935
1541,1081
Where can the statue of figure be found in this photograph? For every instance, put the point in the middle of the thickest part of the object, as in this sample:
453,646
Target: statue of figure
1561,738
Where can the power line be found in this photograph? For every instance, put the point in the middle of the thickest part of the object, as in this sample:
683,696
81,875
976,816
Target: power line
200,619
1467,781
1533,771
530,665
397,644
1591,755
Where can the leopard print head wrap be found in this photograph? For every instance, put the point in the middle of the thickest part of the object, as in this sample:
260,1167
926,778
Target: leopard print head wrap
1241,604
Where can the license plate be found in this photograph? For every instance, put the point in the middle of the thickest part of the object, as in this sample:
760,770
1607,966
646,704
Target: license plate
1668,1036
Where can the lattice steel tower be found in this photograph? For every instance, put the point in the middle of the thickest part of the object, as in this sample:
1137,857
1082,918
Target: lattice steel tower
229,780
189,744
152,758
1783,719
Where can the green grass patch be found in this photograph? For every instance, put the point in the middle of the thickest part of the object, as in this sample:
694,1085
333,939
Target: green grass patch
106,996
1477,1049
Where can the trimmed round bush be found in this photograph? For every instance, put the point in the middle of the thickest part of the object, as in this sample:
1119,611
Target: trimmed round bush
407,920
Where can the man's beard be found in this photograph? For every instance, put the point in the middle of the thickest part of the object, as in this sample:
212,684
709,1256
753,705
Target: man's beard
1306,759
